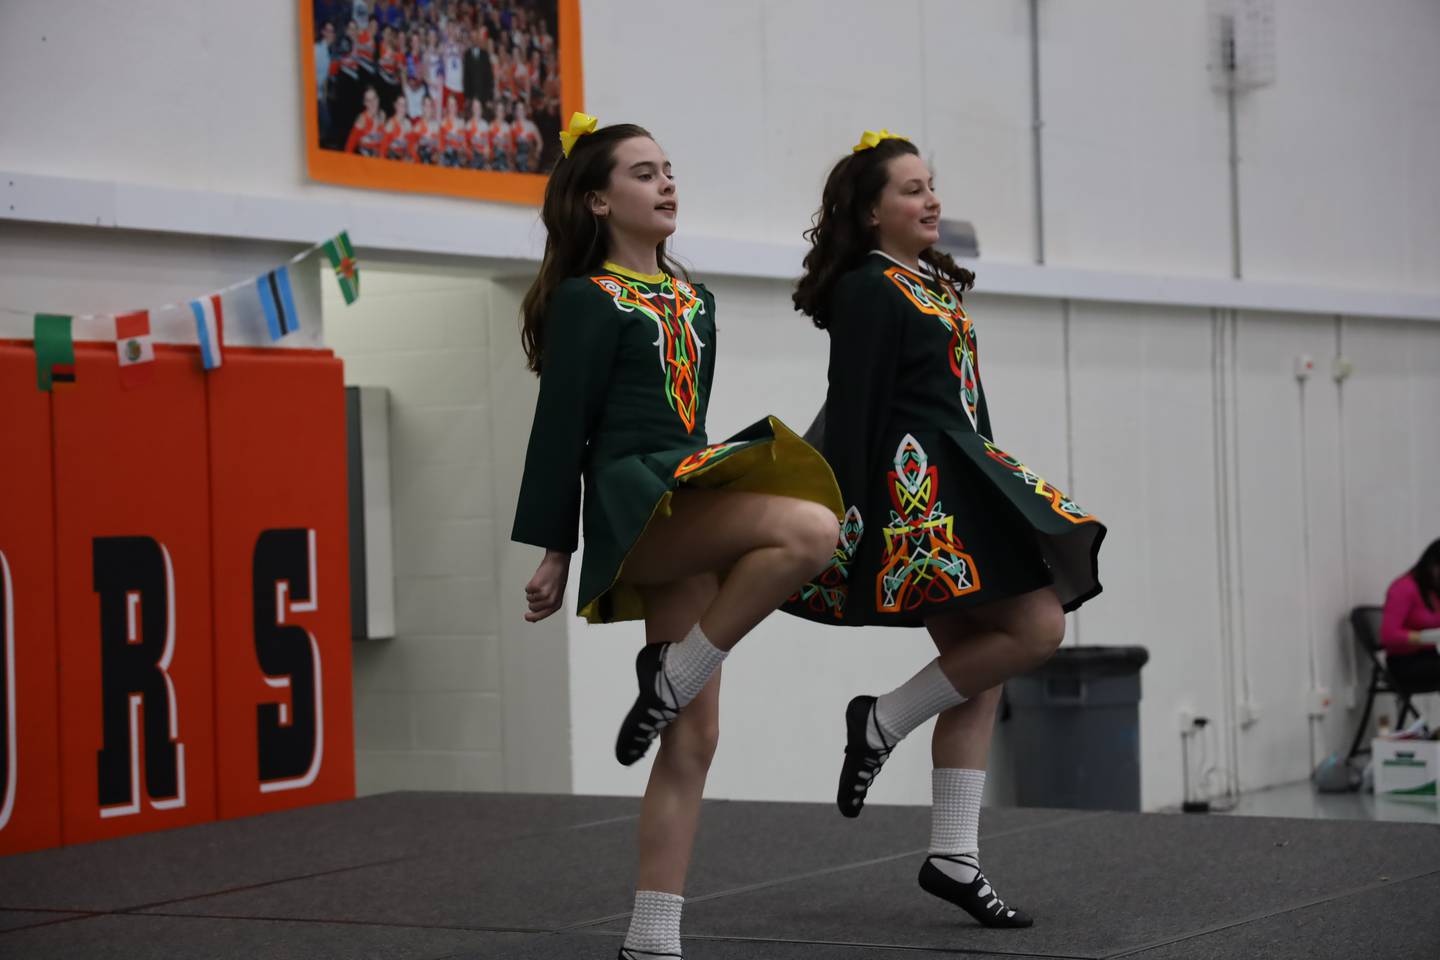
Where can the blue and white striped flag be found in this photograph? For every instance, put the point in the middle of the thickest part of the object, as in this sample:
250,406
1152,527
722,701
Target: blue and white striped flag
208,328
279,305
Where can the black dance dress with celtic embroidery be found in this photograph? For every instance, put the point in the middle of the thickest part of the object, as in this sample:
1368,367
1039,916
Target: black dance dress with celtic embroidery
625,383
937,516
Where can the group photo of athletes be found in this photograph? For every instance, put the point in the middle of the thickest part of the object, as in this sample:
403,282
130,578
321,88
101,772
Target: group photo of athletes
465,84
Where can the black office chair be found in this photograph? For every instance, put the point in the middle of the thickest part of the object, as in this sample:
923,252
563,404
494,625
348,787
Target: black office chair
1365,621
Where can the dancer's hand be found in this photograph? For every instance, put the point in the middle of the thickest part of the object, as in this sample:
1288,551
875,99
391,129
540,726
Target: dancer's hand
546,590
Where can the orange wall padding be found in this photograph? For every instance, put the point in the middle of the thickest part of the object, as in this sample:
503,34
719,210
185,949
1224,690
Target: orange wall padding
282,640
179,516
30,765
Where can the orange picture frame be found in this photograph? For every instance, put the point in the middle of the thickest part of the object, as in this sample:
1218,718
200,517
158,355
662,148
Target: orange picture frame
346,169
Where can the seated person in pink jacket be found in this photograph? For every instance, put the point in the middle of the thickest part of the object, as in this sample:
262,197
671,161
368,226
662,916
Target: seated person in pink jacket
1410,628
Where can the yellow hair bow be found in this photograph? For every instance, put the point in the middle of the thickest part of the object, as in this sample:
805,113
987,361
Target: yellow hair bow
580,124
872,138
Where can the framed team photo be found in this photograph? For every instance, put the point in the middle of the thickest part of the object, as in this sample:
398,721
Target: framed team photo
458,97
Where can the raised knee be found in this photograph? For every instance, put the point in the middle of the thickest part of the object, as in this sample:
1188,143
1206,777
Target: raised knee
1045,630
812,535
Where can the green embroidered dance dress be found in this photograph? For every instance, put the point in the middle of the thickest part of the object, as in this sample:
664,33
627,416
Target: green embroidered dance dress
937,516
625,382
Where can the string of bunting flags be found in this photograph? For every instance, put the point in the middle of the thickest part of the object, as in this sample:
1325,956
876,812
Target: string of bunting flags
134,346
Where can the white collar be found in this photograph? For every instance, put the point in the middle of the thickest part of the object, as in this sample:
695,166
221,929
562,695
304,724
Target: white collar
924,270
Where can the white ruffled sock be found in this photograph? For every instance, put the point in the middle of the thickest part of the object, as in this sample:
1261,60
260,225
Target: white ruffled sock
654,925
690,663
912,703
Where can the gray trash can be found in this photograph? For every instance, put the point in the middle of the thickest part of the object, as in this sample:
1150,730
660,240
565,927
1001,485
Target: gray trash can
1074,730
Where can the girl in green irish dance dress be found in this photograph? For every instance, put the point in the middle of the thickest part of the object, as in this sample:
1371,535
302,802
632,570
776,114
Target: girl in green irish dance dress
702,541
943,529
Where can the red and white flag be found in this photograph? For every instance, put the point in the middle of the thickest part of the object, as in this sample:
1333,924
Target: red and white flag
134,349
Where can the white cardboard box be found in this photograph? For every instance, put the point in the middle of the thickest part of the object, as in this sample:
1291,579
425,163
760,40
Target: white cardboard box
1406,769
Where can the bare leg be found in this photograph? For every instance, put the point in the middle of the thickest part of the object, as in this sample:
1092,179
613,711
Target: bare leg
983,647
979,648
962,734
960,747
670,811
766,546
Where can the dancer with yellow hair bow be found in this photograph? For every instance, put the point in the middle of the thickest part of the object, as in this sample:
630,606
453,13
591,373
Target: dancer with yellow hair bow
700,540
943,529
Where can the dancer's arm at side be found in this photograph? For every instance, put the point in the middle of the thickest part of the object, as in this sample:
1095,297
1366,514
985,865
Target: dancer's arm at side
579,350
865,335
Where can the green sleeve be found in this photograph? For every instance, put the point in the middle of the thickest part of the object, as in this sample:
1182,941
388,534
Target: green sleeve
982,406
865,332
581,338
712,353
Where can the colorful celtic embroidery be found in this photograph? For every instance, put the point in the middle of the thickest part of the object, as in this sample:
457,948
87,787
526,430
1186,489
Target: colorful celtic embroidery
673,305
828,591
704,457
923,561
1060,503
946,308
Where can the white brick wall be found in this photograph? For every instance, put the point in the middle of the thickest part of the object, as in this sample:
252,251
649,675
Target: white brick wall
428,708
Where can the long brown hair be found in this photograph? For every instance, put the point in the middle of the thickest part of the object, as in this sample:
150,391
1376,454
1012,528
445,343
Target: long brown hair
842,234
576,241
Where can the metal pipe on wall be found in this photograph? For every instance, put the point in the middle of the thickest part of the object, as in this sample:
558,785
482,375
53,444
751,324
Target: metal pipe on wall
1035,131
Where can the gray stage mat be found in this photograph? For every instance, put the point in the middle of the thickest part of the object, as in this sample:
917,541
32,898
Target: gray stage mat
156,868
15,919
531,878
1097,886
1394,921
132,937
583,875
563,946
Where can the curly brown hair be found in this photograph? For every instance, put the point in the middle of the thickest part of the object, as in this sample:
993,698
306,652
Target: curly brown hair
842,235
576,241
